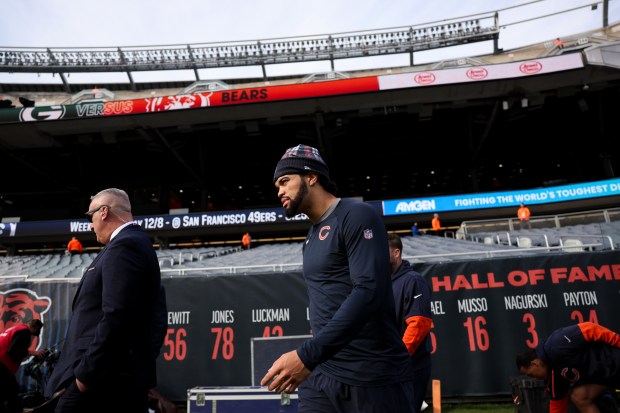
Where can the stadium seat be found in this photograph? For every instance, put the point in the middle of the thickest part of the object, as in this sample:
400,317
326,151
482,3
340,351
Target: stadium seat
573,245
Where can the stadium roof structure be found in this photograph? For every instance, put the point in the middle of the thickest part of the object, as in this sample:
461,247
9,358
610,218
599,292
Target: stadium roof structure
513,119
260,53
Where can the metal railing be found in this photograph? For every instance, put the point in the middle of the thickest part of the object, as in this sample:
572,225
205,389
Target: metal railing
547,221
282,267
580,246
330,47
232,269
245,269
167,262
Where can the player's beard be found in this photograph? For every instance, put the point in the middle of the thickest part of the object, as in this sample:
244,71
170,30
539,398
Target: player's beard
295,204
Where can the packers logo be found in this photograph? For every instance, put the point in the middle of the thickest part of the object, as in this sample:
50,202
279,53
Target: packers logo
34,114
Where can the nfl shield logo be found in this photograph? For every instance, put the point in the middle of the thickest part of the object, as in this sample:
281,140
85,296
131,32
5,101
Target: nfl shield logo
368,233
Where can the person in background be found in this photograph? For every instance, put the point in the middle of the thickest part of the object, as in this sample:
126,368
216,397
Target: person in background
580,361
415,230
110,347
246,241
355,360
412,297
15,345
436,224
559,43
74,247
523,213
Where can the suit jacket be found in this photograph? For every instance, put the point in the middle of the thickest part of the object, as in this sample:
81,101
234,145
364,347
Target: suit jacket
114,311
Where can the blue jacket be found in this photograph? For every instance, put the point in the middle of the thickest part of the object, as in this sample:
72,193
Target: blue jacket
579,354
346,267
412,299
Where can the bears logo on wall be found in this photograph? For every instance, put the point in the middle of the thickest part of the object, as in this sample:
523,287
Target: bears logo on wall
18,306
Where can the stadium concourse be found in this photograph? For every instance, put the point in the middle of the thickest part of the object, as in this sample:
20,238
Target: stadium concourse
416,135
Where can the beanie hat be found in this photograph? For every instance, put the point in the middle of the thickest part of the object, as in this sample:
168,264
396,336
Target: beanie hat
301,159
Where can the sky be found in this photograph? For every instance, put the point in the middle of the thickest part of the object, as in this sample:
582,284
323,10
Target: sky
118,23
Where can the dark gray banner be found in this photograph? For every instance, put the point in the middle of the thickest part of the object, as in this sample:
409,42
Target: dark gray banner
484,312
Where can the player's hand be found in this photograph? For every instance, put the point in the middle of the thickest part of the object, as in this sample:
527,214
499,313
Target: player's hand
81,386
286,373
38,353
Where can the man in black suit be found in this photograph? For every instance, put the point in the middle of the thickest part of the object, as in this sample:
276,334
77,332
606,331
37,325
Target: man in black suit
107,363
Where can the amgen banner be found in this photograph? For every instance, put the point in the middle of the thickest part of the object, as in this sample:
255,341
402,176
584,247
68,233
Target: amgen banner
562,193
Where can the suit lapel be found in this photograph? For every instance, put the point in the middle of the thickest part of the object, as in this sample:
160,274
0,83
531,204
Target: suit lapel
91,267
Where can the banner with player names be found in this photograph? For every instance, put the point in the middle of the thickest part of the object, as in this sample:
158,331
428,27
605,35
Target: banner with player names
484,312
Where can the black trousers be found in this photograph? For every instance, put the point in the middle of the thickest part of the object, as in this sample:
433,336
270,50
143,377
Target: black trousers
120,396
421,379
9,392
322,394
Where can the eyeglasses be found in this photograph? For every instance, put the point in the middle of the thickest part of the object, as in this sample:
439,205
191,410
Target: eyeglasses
89,214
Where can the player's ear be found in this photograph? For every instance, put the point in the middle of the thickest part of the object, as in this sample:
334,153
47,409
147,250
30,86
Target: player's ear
312,177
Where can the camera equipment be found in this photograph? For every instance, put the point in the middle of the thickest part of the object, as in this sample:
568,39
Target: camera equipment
35,369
